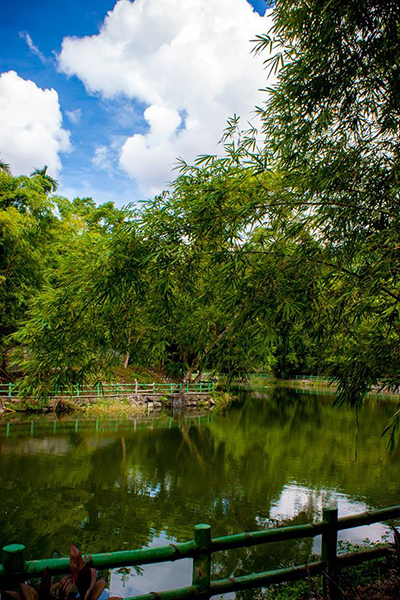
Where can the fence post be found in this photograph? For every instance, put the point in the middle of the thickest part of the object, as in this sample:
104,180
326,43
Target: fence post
136,386
10,389
328,552
202,561
13,558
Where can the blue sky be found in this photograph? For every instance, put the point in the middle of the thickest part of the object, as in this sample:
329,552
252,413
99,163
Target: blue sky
132,90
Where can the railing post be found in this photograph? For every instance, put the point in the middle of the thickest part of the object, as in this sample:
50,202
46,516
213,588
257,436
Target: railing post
328,552
13,558
202,562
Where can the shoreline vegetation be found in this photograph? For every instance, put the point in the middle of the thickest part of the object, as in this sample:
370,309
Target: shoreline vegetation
315,384
141,404
144,403
128,406
125,405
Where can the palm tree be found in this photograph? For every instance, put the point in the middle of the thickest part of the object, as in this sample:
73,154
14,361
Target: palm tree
4,167
49,184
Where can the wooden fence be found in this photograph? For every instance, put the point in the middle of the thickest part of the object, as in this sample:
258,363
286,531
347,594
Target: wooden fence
14,568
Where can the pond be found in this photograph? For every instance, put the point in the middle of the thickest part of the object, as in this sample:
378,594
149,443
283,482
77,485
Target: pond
275,456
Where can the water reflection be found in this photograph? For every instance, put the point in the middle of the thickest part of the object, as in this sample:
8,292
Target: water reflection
275,457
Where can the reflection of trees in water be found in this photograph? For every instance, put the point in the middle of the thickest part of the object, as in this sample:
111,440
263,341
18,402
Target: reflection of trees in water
117,491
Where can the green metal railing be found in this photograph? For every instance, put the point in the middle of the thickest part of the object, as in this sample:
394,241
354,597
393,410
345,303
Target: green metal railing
112,390
14,568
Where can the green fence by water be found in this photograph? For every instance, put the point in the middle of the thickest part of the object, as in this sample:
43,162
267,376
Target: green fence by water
14,568
113,390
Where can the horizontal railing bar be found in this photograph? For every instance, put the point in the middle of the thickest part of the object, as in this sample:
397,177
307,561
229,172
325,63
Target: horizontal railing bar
106,560
369,517
240,540
301,531
235,584
351,560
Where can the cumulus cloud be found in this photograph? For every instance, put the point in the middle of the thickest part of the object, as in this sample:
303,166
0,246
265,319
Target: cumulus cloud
31,132
74,115
188,61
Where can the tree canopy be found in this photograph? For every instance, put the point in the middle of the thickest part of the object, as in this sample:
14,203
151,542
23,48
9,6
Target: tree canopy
281,253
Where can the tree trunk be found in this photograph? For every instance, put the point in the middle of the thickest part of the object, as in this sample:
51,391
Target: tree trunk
187,378
198,376
128,355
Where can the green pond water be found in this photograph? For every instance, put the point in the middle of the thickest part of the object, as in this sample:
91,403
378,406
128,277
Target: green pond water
274,457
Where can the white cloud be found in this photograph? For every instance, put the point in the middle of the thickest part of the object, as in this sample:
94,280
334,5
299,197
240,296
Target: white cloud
32,47
31,132
102,159
188,61
74,115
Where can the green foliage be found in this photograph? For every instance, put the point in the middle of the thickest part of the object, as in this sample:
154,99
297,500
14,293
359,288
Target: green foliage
40,236
331,127
222,399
